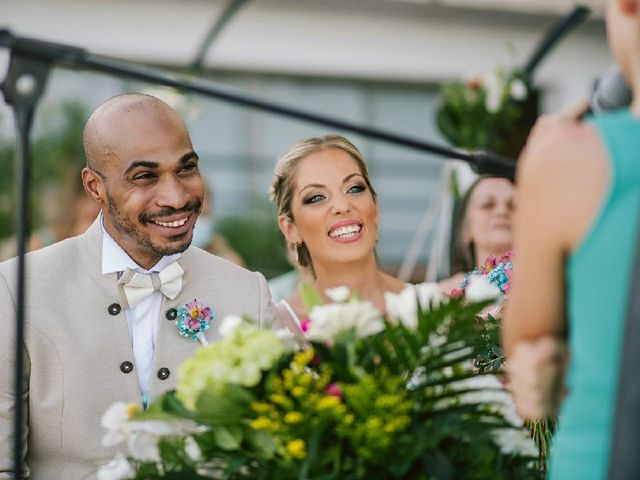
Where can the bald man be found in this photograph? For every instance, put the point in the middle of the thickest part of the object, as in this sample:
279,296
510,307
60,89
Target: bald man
102,307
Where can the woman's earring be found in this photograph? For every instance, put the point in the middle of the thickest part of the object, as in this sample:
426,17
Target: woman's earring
295,246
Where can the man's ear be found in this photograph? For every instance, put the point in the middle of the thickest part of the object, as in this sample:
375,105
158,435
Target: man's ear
94,185
288,229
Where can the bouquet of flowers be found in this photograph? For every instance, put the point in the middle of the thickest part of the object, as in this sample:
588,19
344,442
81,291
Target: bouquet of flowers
490,280
371,397
487,112
493,281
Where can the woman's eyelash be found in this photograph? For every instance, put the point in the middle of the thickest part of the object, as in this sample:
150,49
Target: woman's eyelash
312,199
357,188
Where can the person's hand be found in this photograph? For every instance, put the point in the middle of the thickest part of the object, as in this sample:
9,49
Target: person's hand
536,376
571,114
447,285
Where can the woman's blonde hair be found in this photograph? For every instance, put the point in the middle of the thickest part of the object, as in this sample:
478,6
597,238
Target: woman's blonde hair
283,184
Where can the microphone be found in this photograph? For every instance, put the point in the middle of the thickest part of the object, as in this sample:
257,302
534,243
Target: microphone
610,92
489,163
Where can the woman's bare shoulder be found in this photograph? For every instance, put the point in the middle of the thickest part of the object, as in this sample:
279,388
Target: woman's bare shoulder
296,304
392,284
560,148
562,178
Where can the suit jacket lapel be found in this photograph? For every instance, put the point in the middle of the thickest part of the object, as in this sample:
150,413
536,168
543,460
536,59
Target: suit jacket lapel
171,349
107,327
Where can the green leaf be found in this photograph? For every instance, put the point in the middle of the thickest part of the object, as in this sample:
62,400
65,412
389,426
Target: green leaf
310,298
228,437
262,442
437,465
230,404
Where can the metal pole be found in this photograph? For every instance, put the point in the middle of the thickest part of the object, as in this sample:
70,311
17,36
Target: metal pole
22,89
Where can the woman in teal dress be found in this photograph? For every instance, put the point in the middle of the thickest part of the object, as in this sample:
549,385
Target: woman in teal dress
575,238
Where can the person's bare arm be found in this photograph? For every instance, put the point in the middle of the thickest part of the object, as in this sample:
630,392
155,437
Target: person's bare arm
562,178
535,307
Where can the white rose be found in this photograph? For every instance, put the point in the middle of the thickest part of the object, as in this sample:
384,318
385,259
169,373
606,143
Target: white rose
429,295
115,416
143,446
327,321
338,294
518,90
192,449
229,325
287,338
494,86
117,469
480,289
115,420
403,307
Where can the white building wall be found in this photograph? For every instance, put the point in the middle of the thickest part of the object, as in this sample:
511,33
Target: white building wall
370,62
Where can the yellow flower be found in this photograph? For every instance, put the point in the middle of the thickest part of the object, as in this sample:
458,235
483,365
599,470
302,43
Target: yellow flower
298,391
328,402
303,358
293,417
133,409
279,399
261,423
261,407
297,449
373,423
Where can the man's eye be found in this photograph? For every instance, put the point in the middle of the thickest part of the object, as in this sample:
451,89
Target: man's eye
189,167
145,176
313,199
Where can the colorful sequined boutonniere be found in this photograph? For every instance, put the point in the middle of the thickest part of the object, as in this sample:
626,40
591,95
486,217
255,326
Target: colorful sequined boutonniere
193,319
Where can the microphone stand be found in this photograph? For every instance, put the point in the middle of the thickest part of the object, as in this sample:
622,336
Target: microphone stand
22,88
74,57
30,63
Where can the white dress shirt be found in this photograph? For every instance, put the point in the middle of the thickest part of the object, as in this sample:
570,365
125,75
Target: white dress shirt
142,319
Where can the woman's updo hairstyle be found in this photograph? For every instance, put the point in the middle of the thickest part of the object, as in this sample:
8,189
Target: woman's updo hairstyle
283,182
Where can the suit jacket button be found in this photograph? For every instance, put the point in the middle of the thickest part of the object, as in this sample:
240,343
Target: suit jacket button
171,314
126,367
114,308
163,373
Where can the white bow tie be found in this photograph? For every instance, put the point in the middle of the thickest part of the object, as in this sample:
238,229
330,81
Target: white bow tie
137,286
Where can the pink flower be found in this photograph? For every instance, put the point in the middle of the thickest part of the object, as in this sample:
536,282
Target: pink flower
304,324
335,390
490,263
194,324
198,312
457,293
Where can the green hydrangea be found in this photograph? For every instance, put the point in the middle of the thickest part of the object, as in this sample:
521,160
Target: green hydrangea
238,359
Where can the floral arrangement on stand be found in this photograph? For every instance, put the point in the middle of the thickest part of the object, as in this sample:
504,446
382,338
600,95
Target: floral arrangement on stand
494,111
372,397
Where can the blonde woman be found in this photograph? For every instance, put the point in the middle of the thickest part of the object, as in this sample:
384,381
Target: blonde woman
328,213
